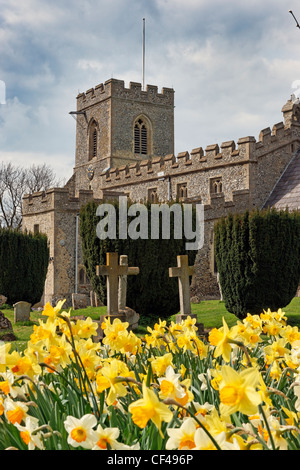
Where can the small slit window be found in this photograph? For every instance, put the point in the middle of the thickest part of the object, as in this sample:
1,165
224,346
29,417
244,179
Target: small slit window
95,143
93,140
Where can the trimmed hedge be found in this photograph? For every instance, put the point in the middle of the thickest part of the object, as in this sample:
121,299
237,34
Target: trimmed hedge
151,292
258,259
24,259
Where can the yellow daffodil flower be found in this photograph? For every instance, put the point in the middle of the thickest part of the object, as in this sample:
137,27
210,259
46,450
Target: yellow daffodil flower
15,411
149,408
238,391
160,363
220,338
52,312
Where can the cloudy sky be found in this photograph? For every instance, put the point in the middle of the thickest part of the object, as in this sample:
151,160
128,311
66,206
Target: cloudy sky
233,65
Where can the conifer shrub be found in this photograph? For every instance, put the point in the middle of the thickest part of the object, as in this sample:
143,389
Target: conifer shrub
258,259
150,293
24,259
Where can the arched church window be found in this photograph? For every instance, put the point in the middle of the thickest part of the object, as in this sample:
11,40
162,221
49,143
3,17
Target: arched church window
182,191
140,137
152,195
216,186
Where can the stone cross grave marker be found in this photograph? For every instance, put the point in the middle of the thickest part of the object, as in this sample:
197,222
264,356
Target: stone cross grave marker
183,271
113,271
122,294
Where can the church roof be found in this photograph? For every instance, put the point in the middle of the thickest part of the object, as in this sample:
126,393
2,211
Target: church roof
286,193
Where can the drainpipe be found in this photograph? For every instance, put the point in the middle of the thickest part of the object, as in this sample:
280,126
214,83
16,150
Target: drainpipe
169,189
76,252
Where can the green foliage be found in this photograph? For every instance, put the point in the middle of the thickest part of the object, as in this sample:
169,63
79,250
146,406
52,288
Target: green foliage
258,260
24,261
151,292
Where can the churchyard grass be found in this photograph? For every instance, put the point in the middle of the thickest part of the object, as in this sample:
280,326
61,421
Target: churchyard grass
209,312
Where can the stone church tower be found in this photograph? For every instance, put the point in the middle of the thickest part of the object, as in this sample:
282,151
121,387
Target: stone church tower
125,146
119,126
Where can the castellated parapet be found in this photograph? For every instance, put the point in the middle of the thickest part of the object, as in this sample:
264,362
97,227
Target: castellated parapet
249,164
116,89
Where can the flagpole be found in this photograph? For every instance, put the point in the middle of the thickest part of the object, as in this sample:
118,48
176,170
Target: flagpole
143,53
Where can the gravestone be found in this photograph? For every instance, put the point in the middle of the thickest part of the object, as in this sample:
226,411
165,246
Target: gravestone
94,300
113,271
116,291
183,271
6,330
22,311
3,300
79,301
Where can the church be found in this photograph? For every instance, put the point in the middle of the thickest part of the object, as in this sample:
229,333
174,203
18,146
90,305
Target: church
125,147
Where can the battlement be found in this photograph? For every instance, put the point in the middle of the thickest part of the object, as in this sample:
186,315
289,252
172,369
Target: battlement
54,199
114,88
247,149
214,156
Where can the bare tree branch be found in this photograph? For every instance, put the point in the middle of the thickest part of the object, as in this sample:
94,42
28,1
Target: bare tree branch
15,181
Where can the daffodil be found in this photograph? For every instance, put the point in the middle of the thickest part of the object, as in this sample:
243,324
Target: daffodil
106,438
29,433
26,364
221,338
204,442
4,351
7,384
182,438
149,408
86,328
160,363
276,350
170,386
15,411
52,312
238,391
44,332
111,377
80,431
290,333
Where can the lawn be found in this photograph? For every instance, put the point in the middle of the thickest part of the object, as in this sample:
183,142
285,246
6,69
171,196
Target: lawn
209,312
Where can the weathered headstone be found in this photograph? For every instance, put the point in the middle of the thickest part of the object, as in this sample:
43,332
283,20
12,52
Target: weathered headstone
6,330
22,311
94,300
113,270
79,301
183,271
3,300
